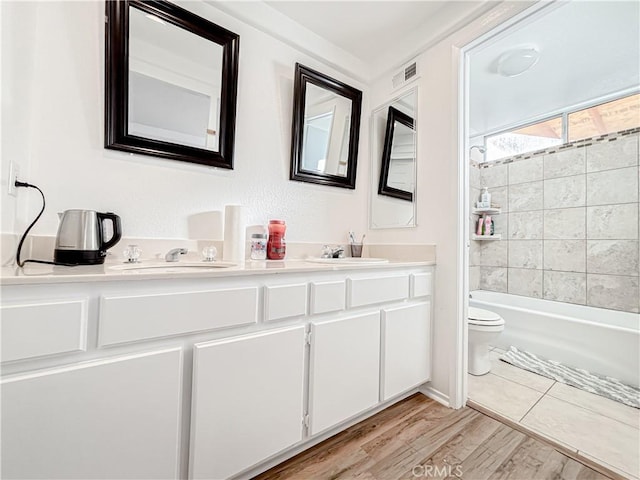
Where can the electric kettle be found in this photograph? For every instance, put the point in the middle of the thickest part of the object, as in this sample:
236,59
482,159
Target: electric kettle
81,237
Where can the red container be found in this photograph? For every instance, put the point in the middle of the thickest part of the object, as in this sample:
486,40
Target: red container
276,246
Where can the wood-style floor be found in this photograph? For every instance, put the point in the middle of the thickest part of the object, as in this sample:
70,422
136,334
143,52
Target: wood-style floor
420,439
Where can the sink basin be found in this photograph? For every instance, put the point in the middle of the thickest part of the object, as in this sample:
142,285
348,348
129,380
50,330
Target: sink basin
348,260
169,267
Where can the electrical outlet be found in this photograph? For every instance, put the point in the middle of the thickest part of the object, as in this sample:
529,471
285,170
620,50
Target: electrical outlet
14,171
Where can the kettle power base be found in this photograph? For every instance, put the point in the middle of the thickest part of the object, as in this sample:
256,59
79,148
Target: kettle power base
79,257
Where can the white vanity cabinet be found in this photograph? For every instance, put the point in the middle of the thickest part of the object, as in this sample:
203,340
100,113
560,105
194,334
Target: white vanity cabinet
213,376
344,370
248,400
110,418
406,352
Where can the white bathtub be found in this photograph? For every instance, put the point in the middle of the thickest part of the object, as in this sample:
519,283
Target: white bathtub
602,341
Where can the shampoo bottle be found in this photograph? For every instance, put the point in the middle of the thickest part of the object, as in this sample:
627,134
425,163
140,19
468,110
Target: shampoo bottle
485,198
487,225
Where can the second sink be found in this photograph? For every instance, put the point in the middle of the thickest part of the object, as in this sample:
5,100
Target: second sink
171,267
347,260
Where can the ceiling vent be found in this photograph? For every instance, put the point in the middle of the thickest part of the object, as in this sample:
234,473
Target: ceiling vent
408,73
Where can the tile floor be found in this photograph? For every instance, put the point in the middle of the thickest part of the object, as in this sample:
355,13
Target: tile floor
600,429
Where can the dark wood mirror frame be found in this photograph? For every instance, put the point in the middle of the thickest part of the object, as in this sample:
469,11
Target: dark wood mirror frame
393,116
117,85
303,76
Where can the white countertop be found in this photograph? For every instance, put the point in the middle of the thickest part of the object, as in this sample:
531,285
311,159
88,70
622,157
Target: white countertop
32,274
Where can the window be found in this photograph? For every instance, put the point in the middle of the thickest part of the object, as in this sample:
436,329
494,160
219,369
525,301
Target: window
526,139
609,117
614,116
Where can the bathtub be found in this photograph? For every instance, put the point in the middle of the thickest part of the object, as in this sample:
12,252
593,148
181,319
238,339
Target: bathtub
601,341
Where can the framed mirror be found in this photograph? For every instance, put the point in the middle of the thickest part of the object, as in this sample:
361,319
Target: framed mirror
171,83
325,129
397,172
394,162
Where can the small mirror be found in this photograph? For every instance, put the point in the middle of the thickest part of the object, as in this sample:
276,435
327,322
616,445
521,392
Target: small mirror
394,163
326,124
171,83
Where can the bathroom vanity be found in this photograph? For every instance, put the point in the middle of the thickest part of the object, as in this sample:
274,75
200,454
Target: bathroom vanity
202,374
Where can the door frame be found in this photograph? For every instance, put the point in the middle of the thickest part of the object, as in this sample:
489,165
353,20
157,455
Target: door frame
505,21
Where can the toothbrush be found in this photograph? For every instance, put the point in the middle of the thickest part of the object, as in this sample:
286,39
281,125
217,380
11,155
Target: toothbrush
352,237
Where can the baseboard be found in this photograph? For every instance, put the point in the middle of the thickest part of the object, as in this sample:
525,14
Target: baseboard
573,454
436,395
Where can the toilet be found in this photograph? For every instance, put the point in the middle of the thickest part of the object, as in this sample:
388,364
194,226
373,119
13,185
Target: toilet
484,327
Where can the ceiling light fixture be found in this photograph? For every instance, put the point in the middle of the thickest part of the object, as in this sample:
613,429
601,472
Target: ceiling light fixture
516,62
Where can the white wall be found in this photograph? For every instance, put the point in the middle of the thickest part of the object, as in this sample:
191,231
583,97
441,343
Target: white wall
438,173
17,56
436,192
56,50
155,197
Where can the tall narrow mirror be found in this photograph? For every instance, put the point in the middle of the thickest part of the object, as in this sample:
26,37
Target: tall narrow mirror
171,81
397,171
394,162
325,129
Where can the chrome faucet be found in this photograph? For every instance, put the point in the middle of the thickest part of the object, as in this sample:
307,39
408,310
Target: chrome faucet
329,252
172,255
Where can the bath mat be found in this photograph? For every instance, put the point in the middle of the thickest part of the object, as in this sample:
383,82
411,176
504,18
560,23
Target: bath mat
590,382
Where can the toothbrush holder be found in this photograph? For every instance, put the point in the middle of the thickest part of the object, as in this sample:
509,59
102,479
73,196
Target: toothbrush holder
356,250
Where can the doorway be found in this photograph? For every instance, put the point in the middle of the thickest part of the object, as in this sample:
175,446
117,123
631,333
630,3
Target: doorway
544,150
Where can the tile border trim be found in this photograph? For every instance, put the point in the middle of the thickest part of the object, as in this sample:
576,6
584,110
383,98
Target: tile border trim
585,142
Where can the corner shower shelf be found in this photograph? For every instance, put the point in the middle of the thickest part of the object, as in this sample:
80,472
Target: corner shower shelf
489,211
497,236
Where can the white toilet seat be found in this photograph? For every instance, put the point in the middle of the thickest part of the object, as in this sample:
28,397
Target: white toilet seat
486,328
484,318
485,323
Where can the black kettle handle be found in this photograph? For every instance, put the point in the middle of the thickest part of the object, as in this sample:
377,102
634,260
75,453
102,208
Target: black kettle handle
117,229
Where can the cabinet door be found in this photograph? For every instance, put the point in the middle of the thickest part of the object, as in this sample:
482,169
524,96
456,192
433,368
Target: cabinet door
113,418
344,370
406,348
247,400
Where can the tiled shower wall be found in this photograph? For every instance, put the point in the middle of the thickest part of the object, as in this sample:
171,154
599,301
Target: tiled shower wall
569,224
